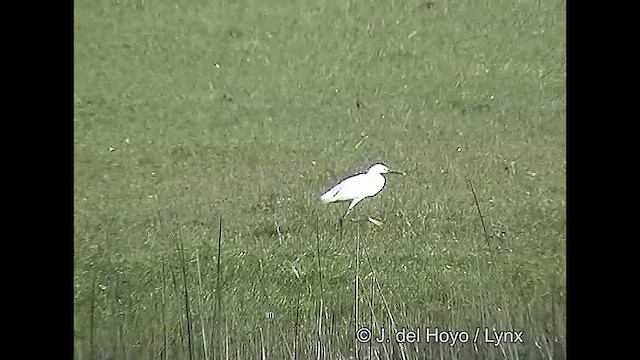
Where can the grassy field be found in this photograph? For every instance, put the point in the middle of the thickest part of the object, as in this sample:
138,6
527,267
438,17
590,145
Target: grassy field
205,133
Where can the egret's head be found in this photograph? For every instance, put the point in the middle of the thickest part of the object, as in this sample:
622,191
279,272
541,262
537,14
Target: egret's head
383,169
379,169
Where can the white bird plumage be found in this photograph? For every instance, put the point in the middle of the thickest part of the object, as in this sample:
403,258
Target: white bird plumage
358,187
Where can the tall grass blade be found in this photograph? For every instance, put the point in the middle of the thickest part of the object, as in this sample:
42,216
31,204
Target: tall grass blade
319,341
200,297
475,198
216,314
183,264
92,316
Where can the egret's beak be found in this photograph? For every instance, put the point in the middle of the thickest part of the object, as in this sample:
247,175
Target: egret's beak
396,172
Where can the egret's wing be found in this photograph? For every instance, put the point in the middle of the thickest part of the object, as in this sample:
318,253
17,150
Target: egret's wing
329,196
349,189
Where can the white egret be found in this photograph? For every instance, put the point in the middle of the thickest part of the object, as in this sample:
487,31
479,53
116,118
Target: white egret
358,187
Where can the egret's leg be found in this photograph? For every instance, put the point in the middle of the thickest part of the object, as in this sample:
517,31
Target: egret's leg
353,203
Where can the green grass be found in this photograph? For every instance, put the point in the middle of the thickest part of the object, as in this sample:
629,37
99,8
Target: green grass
244,112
